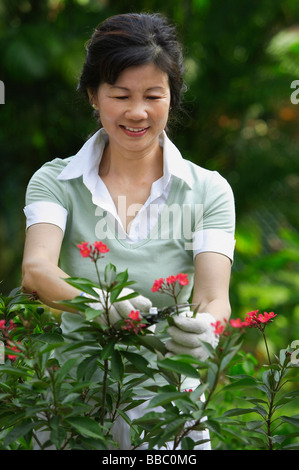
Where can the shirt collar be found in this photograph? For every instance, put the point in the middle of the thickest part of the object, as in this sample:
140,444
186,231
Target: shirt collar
86,162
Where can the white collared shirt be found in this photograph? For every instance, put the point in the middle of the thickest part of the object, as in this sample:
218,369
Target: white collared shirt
85,164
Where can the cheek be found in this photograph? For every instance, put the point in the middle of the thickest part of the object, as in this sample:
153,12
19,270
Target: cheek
108,112
162,114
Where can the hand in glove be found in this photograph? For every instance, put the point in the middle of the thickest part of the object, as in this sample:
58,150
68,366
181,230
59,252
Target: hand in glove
119,309
187,333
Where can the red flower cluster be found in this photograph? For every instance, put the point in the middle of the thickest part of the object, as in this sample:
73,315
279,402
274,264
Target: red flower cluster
6,329
12,347
218,328
253,320
162,285
237,323
93,251
256,320
133,322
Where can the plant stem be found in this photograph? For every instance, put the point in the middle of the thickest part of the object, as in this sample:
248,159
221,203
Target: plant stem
104,392
266,345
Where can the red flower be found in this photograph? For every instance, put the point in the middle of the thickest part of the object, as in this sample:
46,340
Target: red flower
182,278
218,328
12,347
85,249
6,329
134,315
237,323
92,251
168,284
266,318
157,284
133,322
171,279
256,320
101,247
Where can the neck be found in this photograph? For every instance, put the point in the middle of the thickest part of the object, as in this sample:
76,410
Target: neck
130,166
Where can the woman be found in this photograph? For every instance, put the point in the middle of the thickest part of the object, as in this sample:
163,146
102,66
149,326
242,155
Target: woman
130,187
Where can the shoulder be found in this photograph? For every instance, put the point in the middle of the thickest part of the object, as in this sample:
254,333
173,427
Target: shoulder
52,169
208,181
44,183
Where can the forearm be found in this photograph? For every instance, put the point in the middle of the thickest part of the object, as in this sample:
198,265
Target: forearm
48,282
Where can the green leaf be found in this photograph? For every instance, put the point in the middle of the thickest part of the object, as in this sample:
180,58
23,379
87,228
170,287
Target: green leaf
196,394
50,338
58,436
117,366
228,357
294,420
87,426
238,411
127,297
87,367
65,369
172,428
108,349
83,284
179,367
187,443
164,398
109,274
253,425
14,371
246,381
91,313
151,342
17,432
139,362
212,374
122,277
209,348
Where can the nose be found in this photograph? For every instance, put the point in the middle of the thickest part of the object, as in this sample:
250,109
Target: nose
136,111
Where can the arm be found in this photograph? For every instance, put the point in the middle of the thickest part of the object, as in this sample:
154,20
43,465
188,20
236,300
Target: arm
211,284
40,271
42,275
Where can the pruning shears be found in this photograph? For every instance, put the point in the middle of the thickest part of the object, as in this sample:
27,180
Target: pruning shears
156,314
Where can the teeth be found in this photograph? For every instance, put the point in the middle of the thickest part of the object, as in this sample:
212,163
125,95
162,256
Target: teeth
134,130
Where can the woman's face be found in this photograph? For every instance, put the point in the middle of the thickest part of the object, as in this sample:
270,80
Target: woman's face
134,110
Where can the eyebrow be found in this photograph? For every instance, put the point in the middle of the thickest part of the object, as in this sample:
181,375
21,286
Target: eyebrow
127,89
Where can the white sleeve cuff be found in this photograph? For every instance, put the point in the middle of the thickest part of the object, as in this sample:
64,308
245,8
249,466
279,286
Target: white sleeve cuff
45,212
214,240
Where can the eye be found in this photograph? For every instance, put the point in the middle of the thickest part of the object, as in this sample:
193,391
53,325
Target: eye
121,97
153,97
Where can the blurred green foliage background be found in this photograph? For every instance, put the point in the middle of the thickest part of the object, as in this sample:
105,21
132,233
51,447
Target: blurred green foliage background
240,117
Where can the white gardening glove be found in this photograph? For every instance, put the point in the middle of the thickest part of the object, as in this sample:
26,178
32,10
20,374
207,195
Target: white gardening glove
188,332
119,310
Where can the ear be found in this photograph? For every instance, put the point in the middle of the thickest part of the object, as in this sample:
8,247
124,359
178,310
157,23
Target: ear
91,97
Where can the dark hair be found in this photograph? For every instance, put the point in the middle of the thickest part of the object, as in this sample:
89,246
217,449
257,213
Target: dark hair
132,39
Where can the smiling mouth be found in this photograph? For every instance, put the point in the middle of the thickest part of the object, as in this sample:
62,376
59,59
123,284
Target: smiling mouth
135,130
